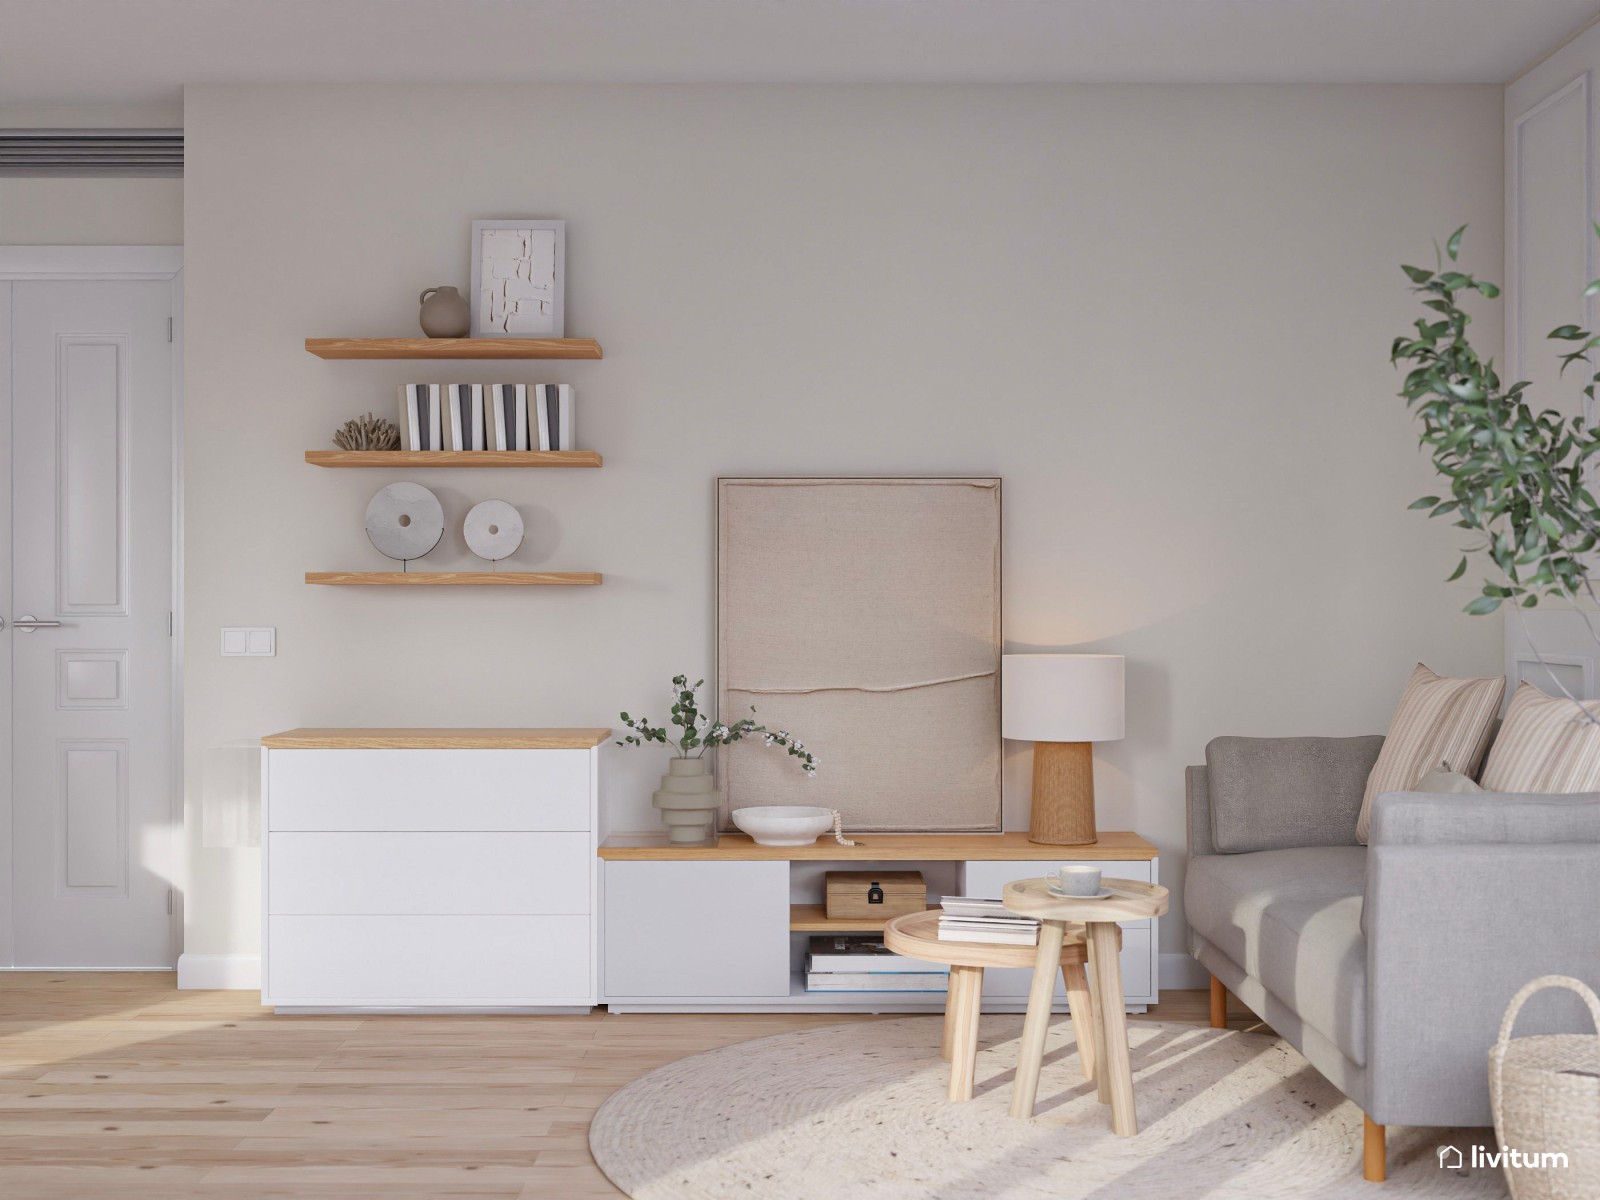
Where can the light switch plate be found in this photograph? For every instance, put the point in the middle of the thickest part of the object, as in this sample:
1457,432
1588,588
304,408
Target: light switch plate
239,642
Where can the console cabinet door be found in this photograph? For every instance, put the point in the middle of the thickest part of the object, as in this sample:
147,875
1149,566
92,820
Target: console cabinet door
696,929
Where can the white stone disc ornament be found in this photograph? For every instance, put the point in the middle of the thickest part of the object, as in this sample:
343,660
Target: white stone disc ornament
493,530
405,521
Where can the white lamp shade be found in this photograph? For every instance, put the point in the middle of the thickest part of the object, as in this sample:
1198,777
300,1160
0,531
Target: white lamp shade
1062,697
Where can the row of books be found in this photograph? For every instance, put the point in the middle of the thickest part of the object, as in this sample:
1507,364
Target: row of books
974,919
862,963
492,416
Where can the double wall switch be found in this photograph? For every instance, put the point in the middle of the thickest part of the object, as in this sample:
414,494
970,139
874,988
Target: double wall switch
250,643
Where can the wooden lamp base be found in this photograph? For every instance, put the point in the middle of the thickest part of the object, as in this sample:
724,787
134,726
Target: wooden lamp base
1063,794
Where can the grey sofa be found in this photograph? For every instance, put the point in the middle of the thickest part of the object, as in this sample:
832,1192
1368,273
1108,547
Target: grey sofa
1388,966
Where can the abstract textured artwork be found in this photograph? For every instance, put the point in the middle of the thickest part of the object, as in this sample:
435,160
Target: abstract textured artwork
517,278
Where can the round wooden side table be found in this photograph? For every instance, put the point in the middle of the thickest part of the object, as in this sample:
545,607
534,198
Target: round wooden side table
916,935
1129,901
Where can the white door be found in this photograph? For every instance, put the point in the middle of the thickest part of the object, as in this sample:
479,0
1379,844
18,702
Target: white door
87,610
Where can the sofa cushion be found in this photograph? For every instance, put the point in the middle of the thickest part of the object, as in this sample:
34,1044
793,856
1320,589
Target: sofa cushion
1292,920
1277,793
1439,722
1547,745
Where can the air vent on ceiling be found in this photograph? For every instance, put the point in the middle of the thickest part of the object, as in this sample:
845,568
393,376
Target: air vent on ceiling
132,152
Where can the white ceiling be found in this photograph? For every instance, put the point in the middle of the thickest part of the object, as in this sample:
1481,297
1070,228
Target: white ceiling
143,51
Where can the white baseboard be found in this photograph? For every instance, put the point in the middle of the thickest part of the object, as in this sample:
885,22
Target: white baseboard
219,972
1177,971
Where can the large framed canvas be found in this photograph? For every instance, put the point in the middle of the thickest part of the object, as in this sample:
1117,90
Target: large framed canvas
863,616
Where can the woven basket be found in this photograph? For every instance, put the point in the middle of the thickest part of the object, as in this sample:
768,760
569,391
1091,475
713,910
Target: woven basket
1546,1097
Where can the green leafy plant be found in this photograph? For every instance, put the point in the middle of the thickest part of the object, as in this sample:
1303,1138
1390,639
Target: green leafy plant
697,732
1516,474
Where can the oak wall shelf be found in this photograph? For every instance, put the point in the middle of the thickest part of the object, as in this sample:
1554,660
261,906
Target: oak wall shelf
454,347
454,458
455,578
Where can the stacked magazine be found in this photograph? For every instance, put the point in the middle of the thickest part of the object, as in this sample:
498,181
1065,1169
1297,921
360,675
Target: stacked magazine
862,963
973,919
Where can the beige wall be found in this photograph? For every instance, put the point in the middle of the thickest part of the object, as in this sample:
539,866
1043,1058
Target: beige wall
1162,314
91,212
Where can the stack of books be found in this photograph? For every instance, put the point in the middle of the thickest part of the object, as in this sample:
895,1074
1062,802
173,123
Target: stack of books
495,416
974,919
862,963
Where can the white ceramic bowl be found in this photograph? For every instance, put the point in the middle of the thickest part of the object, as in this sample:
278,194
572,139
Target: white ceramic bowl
784,824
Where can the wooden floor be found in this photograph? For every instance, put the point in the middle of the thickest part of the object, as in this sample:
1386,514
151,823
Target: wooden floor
117,1085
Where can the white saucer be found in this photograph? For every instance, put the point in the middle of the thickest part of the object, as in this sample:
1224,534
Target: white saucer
1100,895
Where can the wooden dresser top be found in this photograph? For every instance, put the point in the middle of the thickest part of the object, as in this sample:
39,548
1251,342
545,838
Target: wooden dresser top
436,739
886,847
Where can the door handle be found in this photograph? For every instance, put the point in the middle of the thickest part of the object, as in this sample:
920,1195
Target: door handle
27,623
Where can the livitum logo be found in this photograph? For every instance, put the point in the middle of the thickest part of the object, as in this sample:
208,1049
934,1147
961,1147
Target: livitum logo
1451,1158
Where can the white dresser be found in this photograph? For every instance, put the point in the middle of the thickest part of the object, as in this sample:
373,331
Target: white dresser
429,868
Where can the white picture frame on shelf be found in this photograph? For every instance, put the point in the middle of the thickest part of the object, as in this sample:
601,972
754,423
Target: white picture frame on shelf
519,279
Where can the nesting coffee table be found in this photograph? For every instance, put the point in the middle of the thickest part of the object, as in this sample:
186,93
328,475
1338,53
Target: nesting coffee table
1129,901
917,936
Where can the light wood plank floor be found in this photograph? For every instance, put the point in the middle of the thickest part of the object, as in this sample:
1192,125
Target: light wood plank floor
118,1085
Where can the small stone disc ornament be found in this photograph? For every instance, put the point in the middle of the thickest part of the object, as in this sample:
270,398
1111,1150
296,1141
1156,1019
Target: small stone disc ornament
493,530
405,521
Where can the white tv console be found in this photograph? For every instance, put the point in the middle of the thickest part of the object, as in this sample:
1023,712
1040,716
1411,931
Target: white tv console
724,928
438,869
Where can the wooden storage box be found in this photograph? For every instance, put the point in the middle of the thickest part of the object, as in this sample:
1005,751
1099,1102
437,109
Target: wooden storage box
853,895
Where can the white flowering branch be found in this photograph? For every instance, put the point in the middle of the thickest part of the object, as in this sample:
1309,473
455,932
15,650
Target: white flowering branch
698,732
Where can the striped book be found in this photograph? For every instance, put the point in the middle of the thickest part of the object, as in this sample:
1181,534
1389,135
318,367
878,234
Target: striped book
464,428
421,417
553,417
508,419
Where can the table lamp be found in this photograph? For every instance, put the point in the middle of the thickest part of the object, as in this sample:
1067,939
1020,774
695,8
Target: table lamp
1062,703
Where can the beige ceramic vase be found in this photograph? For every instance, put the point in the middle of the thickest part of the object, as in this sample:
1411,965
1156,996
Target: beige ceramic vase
445,313
689,802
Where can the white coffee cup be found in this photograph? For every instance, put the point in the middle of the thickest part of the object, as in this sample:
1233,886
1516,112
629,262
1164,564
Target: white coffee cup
1074,879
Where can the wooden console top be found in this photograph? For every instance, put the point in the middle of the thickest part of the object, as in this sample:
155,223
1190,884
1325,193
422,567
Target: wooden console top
885,847
436,739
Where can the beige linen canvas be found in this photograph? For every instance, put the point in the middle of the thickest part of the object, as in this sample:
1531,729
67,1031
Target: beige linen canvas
863,616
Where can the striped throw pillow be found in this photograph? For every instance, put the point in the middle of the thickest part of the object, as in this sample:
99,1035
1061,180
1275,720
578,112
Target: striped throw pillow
1440,722
1546,745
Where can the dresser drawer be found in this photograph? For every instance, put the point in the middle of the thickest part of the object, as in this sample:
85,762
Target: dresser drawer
408,961
399,790
428,873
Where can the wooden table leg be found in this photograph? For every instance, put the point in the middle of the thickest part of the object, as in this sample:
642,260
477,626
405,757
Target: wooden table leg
1083,1020
1115,1067
1035,1027
1097,1024
968,984
947,1041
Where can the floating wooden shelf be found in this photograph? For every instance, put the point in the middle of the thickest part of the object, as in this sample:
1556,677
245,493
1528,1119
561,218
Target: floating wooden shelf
454,458
813,918
454,347
455,578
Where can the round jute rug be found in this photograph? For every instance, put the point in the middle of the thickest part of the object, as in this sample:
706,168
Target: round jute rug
860,1110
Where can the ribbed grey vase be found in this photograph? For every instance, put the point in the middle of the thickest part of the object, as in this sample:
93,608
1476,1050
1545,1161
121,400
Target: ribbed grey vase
688,802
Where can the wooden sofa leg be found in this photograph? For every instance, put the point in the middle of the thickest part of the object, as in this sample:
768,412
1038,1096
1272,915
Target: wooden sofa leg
1219,1004
1373,1167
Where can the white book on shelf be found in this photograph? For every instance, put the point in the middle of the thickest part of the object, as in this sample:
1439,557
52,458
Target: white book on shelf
539,438
567,423
852,981
509,419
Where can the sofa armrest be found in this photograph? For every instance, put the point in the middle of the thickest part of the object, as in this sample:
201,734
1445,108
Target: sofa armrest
1467,899
1428,819
1197,804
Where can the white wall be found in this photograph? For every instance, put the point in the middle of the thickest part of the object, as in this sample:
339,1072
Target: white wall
91,211
1162,314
